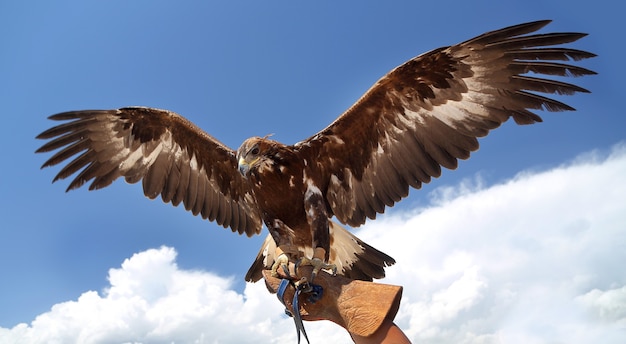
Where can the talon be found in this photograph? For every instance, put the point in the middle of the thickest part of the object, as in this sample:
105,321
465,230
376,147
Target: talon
281,261
301,261
317,264
286,270
333,268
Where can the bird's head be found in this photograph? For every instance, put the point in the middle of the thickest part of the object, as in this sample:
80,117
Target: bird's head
253,153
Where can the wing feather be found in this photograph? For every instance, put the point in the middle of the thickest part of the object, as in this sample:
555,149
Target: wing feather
553,54
172,180
198,205
172,157
83,160
428,113
185,169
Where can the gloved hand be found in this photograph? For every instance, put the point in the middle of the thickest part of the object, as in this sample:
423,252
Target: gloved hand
365,309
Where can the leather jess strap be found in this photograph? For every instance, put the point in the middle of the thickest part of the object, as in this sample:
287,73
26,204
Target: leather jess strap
314,293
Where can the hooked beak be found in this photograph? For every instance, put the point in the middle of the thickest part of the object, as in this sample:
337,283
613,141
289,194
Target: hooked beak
244,167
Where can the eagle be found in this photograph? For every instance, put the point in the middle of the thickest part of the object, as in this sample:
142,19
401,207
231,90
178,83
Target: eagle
423,115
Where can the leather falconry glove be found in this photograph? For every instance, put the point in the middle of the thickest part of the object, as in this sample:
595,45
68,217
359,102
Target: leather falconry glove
365,309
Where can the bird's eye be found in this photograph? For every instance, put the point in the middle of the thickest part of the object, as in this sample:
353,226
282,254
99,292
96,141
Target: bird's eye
255,150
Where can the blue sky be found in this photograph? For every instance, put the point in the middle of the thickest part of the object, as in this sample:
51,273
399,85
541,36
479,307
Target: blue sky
239,69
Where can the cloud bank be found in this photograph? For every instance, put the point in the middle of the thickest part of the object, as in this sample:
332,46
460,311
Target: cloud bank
536,259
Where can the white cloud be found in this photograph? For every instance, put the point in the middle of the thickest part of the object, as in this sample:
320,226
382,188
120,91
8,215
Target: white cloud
538,259
150,300
525,251
609,305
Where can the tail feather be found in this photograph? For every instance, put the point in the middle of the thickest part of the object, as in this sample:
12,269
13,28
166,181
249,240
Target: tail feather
354,258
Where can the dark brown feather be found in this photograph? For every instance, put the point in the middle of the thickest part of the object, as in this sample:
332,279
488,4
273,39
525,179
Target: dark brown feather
561,54
429,112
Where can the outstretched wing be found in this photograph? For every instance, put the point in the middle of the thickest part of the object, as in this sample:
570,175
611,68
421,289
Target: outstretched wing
429,112
171,156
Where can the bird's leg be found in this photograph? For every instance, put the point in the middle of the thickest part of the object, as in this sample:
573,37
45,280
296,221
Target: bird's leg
319,262
317,218
285,250
283,253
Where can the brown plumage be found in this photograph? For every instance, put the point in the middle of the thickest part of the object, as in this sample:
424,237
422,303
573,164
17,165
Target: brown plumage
425,114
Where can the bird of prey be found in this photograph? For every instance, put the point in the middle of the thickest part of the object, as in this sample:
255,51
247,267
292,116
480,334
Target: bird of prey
423,115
